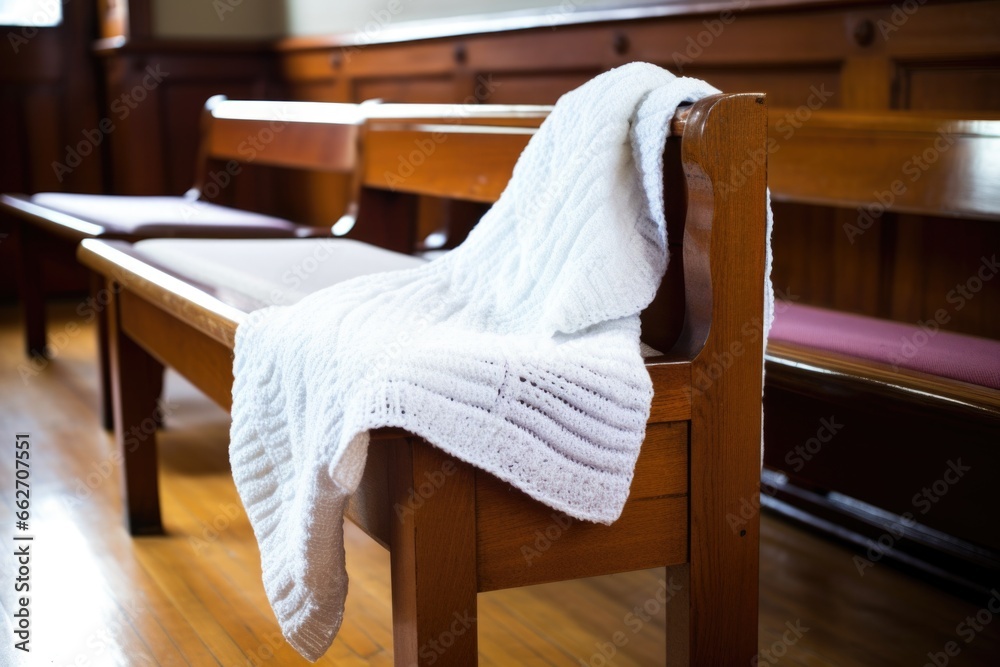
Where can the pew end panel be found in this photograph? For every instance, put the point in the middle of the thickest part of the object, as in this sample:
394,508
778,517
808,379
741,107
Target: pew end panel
701,457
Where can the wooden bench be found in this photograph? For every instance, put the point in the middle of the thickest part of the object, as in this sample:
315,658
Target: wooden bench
301,135
700,462
905,399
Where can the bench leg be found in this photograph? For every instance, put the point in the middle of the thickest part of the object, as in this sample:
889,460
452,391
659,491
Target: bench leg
105,409
137,382
679,617
433,555
31,292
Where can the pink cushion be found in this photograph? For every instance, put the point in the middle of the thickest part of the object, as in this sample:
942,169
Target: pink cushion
161,216
923,348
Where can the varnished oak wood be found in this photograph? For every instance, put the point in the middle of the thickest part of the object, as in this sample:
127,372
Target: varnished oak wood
725,416
701,456
522,542
798,367
944,165
433,558
302,135
879,168
136,388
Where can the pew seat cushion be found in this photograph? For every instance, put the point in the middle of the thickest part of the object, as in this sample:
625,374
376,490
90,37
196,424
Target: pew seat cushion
924,348
254,273
162,216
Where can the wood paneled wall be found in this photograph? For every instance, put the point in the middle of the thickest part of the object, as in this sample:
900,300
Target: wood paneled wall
942,56
156,91
932,56
49,120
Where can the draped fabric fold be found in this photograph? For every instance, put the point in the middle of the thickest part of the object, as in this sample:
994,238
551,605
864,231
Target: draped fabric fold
518,352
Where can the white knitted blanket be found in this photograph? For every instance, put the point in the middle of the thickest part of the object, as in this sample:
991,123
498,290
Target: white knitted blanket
518,352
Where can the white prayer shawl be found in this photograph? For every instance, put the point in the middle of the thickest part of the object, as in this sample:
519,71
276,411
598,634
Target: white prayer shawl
518,352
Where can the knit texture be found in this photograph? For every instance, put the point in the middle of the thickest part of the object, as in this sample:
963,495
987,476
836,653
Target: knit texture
518,352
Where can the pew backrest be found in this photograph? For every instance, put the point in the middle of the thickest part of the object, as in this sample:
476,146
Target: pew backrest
888,161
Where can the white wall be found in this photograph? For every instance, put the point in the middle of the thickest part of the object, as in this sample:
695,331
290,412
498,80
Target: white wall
225,19
317,17
247,19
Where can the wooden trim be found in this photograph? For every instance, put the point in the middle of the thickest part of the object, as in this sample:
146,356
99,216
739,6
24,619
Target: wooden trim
948,562
672,400
118,46
894,122
522,542
61,224
872,161
206,362
191,305
811,371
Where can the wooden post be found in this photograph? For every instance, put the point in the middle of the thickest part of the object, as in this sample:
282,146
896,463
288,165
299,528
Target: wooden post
724,250
105,409
31,291
433,555
137,381
678,617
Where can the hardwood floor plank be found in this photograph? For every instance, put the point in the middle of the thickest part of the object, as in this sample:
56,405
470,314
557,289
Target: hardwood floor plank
195,596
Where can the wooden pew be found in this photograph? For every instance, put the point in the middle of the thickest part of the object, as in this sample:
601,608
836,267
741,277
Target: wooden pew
902,415
699,466
302,135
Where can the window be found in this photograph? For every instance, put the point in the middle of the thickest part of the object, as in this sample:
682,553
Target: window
30,12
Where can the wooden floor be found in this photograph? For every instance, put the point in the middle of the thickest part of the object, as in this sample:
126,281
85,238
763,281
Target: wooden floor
98,597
